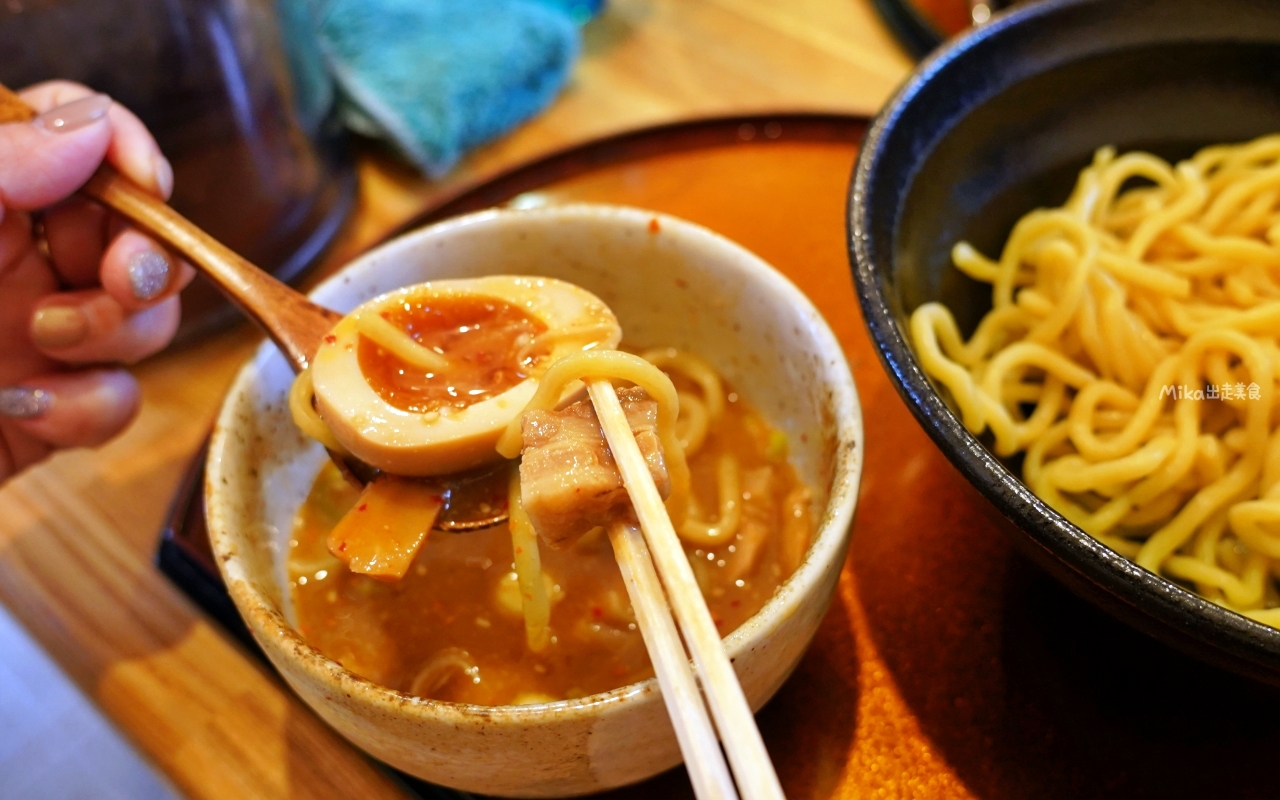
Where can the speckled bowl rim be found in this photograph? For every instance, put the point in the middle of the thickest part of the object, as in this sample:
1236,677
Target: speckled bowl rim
830,544
1145,592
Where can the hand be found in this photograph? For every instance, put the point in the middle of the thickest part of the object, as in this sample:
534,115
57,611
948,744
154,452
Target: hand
92,293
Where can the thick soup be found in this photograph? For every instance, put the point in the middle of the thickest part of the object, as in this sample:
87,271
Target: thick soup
452,629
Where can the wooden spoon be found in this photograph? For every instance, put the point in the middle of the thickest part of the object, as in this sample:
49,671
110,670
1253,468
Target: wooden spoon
294,323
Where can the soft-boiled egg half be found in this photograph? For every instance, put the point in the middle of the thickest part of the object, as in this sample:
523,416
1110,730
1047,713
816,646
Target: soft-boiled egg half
423,380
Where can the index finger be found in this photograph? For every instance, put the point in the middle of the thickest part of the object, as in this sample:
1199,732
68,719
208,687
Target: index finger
132,150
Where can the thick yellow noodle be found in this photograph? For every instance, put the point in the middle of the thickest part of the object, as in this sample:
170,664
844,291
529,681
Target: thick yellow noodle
528,562
305,416
1117,320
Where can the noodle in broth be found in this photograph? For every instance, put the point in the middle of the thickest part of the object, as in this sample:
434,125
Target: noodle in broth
489,617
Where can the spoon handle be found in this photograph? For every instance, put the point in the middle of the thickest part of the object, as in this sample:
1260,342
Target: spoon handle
293,322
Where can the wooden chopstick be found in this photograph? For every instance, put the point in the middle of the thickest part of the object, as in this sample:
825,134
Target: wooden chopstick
741,739
702,756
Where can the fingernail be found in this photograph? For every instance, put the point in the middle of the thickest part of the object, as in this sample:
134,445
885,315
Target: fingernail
57,327
148,274
74,115
19,402
164,175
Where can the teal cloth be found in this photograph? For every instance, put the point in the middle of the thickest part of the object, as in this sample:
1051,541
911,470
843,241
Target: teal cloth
436,78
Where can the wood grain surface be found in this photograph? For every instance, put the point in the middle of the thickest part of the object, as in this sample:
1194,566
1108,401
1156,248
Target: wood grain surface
77,533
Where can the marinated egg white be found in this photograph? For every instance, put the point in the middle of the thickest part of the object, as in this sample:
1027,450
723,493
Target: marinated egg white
418,437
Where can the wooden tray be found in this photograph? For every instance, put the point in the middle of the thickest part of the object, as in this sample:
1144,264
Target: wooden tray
948,666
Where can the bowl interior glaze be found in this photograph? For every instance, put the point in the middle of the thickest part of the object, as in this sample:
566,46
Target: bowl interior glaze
1000,122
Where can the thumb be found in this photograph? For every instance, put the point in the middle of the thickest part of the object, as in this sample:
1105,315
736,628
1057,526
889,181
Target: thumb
45,160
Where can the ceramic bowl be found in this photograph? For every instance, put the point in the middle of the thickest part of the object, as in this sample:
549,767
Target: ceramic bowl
1000,122
670,283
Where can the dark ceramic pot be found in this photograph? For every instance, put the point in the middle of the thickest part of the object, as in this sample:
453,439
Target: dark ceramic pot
999,122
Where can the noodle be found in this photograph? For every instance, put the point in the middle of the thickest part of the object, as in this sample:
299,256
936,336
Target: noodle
729,493
693,424
1132,353
696,370
528,561
593,335
377,329
305,416
442,668
697,415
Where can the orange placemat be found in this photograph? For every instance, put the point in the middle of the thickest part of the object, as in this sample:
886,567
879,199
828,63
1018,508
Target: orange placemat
948,666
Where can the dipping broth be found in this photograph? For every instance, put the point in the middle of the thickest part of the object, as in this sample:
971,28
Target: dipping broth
453,629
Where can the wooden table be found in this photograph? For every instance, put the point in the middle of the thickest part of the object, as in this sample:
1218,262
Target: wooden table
77,534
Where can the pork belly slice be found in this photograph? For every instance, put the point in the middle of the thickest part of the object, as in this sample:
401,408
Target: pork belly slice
569,482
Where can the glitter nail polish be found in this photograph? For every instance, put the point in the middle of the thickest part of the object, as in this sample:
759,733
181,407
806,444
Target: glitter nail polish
148,274
21,402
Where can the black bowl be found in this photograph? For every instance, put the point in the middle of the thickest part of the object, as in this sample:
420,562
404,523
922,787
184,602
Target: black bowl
1000,122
